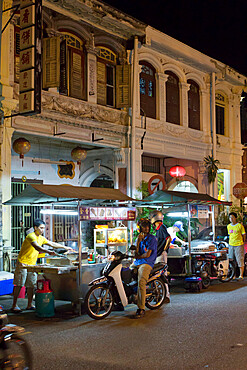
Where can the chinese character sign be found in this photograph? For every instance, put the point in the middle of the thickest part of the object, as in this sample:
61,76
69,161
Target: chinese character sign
107,213
30,56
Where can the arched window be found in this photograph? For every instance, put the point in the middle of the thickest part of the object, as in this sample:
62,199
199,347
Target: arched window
113,80
76,59
220,111
64,64
194,105
147,90
172,98
106,76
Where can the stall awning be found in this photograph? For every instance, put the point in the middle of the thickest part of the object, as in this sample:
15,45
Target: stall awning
41,194
174,197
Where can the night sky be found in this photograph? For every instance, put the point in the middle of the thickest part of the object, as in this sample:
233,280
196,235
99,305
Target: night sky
217,28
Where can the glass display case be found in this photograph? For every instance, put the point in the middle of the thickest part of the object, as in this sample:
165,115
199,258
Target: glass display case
110,239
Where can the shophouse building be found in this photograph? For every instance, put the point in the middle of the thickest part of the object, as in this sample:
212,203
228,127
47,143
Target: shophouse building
134,99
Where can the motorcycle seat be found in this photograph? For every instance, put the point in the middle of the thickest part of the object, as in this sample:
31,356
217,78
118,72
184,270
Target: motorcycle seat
156,268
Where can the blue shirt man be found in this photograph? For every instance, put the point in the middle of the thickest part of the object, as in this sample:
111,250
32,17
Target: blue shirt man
146,253
149,243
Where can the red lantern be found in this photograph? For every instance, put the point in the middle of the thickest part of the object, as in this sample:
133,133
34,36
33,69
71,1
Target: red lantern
21,146
177,171
78,154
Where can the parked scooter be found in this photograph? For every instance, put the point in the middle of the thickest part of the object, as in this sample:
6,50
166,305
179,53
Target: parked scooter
214,265
119,286
14,351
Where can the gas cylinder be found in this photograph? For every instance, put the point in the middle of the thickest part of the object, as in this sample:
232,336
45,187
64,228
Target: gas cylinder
44,299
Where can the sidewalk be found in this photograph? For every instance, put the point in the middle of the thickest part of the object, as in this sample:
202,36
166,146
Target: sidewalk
63,310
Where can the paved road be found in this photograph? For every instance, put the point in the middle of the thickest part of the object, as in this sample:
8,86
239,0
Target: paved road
195,331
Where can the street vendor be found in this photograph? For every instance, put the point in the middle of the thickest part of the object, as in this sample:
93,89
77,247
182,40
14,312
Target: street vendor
28,255
172,231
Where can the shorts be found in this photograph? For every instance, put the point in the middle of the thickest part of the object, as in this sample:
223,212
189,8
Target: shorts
238,253
22,277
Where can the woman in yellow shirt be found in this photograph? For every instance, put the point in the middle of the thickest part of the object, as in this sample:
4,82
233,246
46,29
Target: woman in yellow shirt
32,245
237,236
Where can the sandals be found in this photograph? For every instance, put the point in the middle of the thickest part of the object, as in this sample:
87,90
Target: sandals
16,310
32,308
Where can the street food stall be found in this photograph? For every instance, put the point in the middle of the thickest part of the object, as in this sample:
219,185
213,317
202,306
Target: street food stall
188,206
70,274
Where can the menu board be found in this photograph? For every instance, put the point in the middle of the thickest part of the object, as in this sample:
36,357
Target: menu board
107,213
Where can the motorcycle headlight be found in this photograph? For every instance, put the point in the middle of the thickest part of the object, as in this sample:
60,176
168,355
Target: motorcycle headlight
3,319
111,257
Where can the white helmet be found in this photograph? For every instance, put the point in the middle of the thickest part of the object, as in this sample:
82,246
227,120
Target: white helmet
156,216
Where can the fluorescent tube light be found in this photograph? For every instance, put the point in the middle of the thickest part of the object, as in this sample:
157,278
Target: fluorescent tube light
177,214
67,212
48,161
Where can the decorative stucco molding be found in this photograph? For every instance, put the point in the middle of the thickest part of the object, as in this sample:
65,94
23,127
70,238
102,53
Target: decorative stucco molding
83,109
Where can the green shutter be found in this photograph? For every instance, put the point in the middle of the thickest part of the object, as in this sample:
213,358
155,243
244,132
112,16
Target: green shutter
101,83
123,86
51,62
76,85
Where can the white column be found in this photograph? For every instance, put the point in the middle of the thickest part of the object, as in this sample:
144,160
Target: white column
5,177
236,118
135,88
204,112
161,79
184,117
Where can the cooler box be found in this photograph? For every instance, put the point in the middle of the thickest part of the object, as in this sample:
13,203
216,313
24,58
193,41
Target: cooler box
6,282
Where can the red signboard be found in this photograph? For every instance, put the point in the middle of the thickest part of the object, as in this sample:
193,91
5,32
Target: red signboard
240,190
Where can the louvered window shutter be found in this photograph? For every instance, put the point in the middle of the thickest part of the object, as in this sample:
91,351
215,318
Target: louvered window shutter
123,86
63,89
76,85
101,83
51,60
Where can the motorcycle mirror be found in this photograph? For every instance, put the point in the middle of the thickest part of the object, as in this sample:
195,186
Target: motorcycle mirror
132,248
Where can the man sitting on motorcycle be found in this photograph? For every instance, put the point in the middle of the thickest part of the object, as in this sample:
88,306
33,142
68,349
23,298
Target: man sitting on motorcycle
145,256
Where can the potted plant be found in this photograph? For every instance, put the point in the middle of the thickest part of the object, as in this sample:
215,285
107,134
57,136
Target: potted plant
211,166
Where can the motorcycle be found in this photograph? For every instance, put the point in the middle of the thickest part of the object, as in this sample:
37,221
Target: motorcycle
214,265
118,286
14,351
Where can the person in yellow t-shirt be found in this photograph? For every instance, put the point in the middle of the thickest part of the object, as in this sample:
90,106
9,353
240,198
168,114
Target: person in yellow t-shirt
28,255
237,237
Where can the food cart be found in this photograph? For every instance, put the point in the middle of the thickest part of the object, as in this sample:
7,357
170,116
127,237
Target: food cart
189,205
69,279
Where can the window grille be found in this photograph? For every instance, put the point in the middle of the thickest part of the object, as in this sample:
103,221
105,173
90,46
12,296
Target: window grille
150,164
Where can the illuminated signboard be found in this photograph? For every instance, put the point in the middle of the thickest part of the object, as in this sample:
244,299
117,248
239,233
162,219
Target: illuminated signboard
107,213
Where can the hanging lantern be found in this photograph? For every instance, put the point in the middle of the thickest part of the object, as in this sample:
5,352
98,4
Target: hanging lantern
21,146
177,171
79,154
